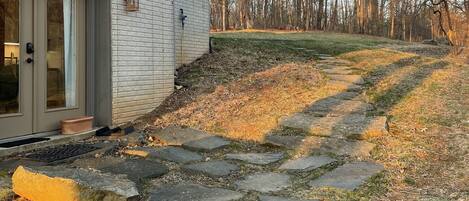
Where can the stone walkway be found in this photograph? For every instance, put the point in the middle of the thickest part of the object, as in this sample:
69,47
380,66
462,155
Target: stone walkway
194,165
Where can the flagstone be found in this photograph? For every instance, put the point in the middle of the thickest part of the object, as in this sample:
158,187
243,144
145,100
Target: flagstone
349,176
264,182
206,144
177,136
306,164
193,192
256,158
212,168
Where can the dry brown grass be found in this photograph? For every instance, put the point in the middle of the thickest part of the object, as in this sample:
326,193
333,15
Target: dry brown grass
428,102
249,108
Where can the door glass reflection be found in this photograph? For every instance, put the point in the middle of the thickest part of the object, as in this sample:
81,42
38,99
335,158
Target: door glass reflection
61,55
9,57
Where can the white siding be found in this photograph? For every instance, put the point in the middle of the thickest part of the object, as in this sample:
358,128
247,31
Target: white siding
142,58
193,41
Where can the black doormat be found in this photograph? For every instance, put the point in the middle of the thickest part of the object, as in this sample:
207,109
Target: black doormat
22,142
61,152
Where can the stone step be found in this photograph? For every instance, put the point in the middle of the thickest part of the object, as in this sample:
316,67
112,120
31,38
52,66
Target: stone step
256,158
321,145
177,136
339,71
331,66
349,176
61,183
212,168
306,164
354,79
337,107
343,86
349,95
359,127
264,182
174,154
337,61
206,144
192,192
136,169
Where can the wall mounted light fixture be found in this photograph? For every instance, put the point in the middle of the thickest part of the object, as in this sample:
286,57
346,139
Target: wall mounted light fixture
132,5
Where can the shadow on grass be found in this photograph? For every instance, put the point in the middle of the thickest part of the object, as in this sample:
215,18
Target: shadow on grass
385,101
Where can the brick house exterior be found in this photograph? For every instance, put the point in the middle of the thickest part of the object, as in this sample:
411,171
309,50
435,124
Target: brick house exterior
147,45
114,60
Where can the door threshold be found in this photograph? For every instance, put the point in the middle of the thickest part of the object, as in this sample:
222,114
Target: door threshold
53,140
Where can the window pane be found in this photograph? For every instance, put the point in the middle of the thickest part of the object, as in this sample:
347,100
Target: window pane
61,65
9,56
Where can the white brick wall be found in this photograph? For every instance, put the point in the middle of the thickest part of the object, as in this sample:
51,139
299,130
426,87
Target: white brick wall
142,58
144,55
193,41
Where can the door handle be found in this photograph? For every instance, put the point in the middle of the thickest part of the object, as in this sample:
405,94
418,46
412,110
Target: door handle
29,60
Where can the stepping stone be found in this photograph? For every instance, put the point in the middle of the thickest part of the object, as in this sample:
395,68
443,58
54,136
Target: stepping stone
349,176
358,127
61,183
306,164
337,61
264,182
174,154
177,136
274,198
193,192
135,169
256,158
354,79
212,168
340,147
343,86
337,107
338,71
289,142
206,144
348,95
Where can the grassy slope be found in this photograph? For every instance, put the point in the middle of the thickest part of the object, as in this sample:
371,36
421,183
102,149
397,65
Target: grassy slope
254,78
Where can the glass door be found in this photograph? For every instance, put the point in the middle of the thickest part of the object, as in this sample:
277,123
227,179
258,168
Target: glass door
60,62
42,65
16,68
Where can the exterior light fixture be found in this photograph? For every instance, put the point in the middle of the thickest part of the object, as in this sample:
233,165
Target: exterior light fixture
132,5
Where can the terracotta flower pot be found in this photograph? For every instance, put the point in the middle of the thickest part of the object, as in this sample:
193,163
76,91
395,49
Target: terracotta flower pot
78,125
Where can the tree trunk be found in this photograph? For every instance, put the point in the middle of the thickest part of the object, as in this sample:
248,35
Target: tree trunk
223,15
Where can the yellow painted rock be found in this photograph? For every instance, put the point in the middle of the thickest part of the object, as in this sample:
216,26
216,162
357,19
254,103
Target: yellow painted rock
70,184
